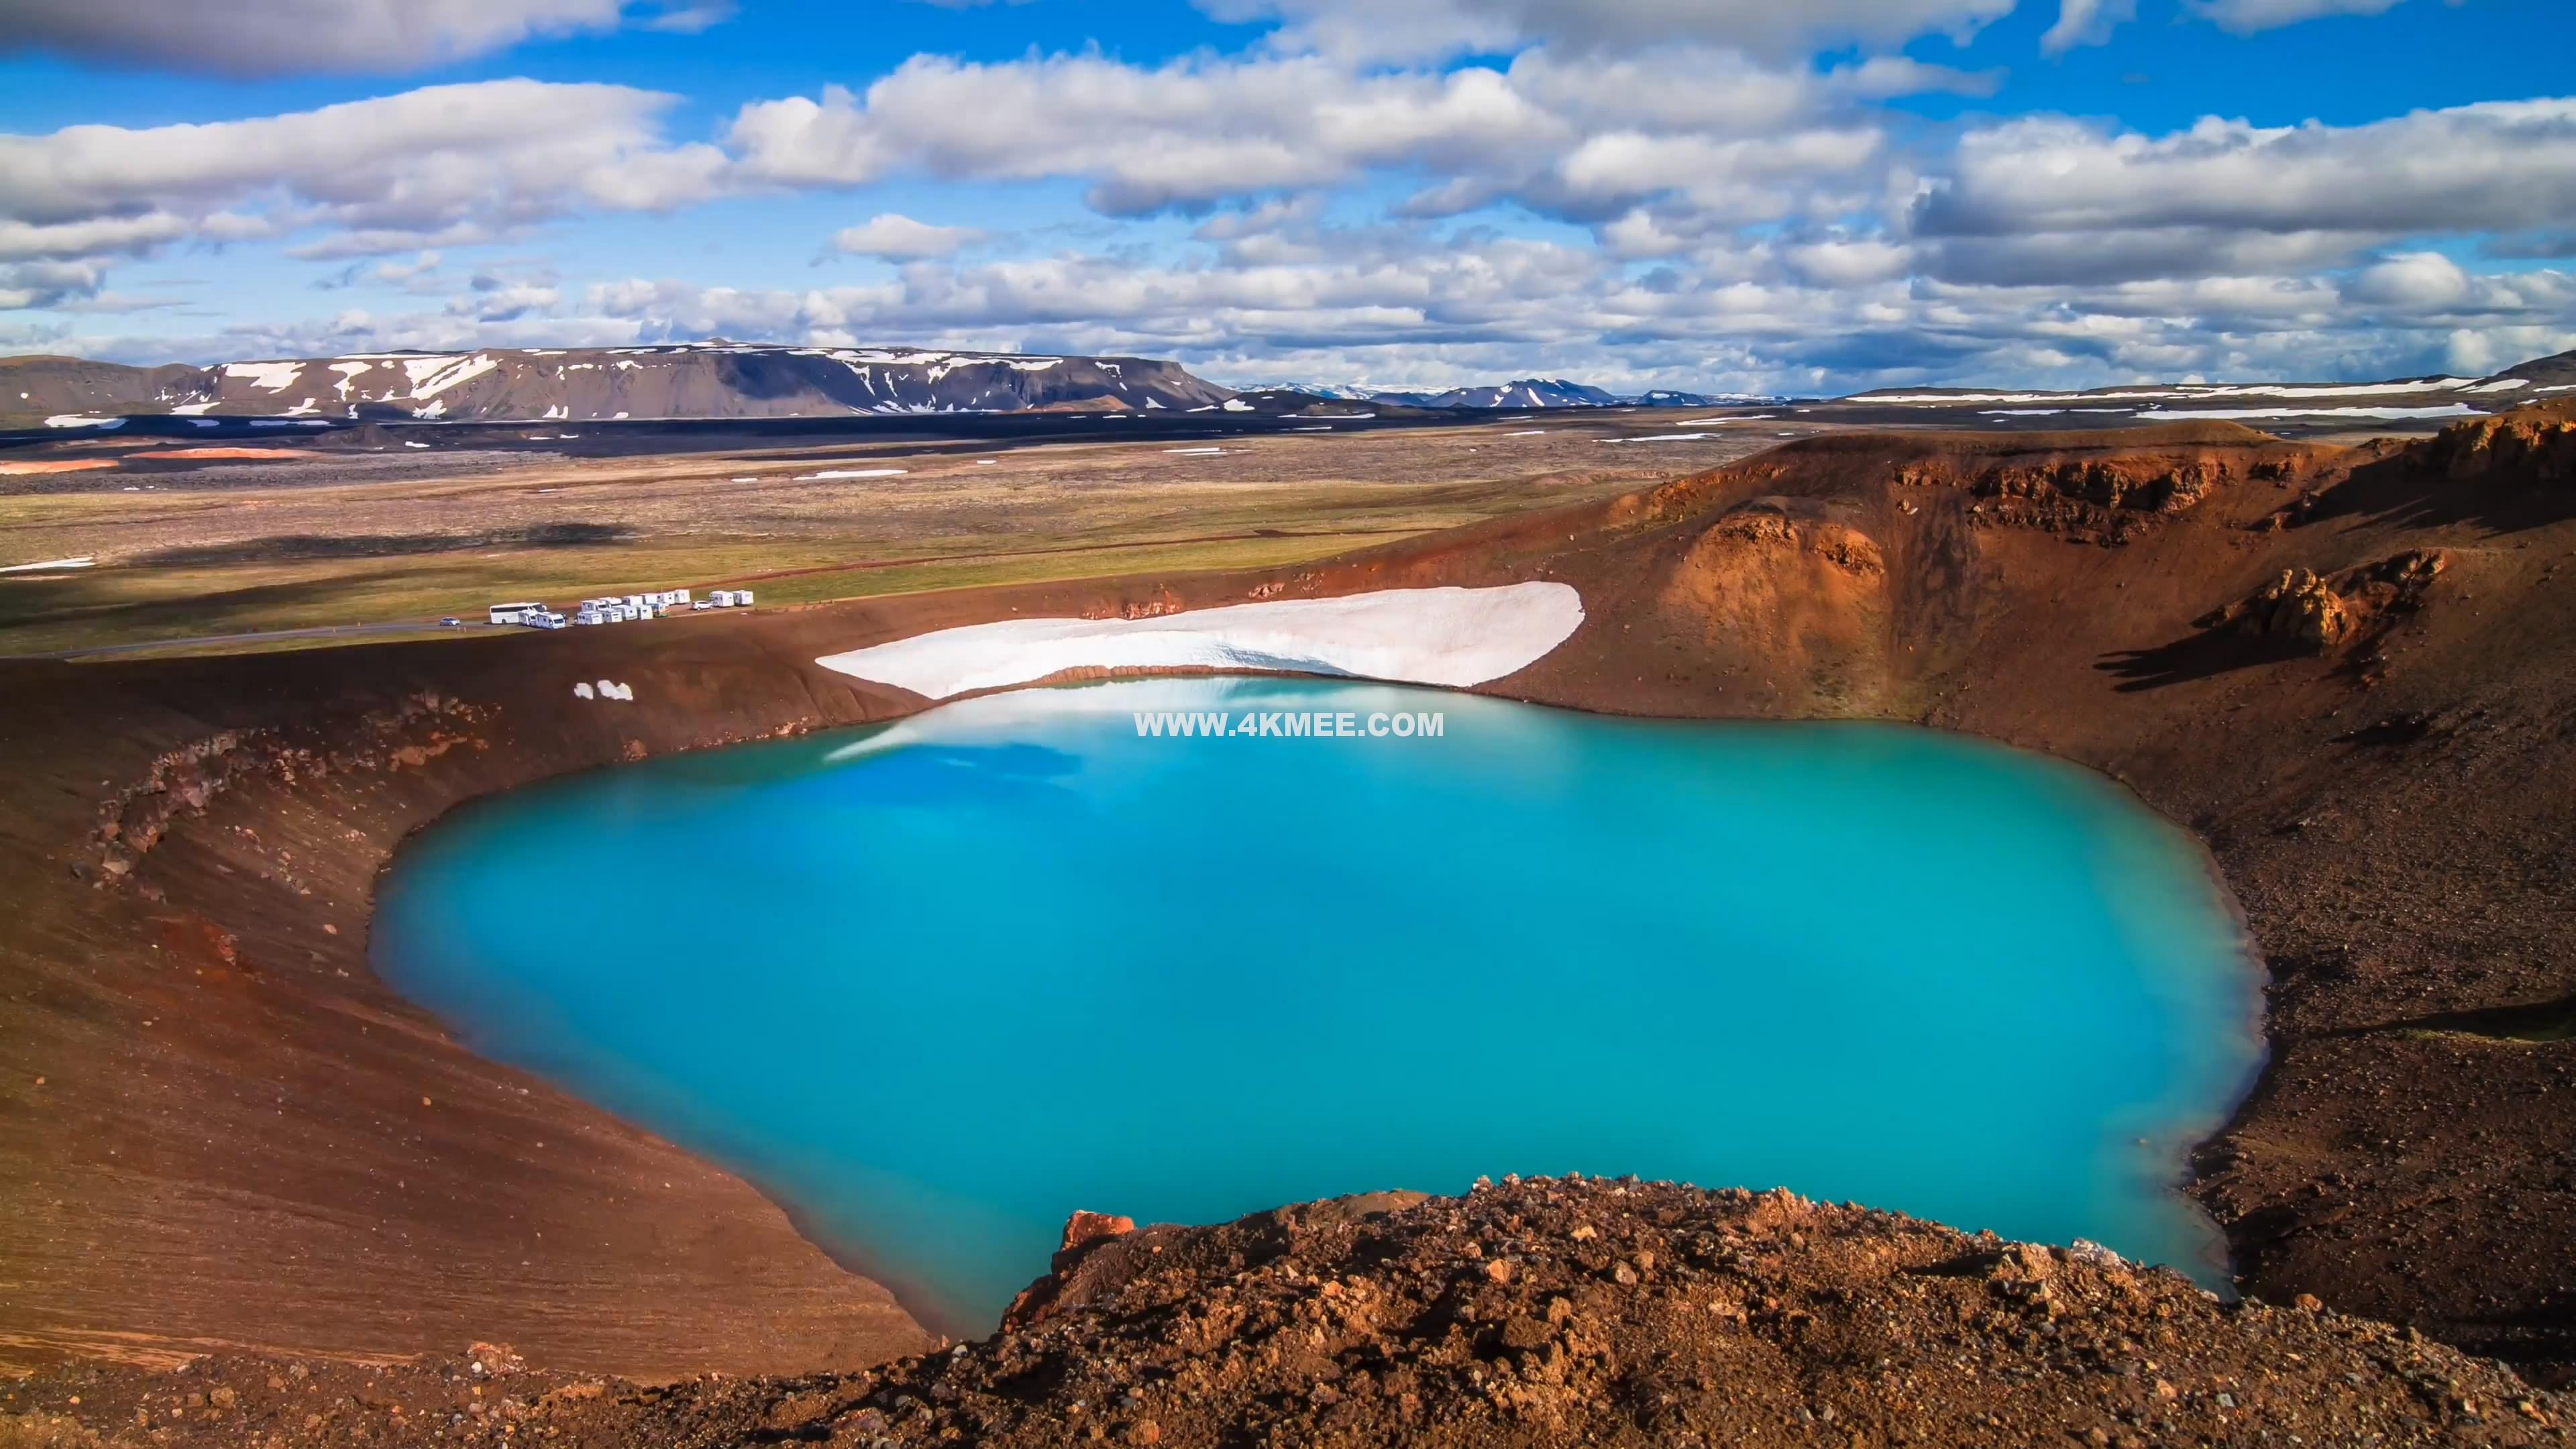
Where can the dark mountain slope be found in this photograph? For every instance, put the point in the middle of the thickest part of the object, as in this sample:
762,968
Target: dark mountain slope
33,389
2546,372
584,384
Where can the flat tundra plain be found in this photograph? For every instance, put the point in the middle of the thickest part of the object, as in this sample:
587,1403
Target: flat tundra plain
248,540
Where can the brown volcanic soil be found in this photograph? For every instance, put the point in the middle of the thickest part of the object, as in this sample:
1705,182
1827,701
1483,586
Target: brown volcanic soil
2388,799
1533,1313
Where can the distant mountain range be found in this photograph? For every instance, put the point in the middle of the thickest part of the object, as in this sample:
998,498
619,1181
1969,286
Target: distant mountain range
1536,392
710,380
714,379
720,379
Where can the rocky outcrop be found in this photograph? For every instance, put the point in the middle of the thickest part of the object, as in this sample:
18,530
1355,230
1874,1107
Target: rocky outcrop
1084,1232
2299,608
2096,494
183,781
2535,443
2399,581
2316,614
2094,501
1795,526
2106,484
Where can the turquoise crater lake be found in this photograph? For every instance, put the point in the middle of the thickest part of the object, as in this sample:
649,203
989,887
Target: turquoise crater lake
933,985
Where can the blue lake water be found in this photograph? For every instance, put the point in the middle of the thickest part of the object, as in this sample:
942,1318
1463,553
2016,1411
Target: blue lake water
936,984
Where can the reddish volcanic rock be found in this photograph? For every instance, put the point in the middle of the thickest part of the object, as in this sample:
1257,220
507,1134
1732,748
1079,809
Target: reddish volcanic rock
1083,1232
2539,443
2316,613
1087,1227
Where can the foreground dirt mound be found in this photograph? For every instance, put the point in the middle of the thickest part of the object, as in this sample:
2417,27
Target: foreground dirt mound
1537,1312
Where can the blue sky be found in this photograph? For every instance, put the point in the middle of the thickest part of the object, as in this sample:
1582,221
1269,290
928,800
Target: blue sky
1708,194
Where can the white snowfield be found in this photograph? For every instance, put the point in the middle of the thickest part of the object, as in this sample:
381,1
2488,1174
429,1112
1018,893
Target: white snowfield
1446,636
2184,415
2198,391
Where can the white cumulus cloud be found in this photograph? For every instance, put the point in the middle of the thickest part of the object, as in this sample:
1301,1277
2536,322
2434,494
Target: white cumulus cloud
2051,183
2086,22
1580,135
1684,193
444,165
2247,16
1431,29
272,37
895,237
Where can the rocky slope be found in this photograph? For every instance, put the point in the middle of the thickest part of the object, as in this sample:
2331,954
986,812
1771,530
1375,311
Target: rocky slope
1540,1312
208,1106
2557,373
35,388
585,384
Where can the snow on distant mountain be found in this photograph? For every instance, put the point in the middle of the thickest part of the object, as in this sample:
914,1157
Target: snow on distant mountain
1345,393
1533,393
1529,392
712,380
726,380
1666,398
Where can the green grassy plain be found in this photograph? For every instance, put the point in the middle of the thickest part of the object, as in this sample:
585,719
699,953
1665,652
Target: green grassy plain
302,544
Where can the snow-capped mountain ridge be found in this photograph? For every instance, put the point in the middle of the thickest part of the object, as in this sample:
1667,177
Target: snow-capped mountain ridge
701,380
1531,392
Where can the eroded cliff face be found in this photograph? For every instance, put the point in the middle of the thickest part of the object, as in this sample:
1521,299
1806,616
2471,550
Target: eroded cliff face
233,1136
2536,444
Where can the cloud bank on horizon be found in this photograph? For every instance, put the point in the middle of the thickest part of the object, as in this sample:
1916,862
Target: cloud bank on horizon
1704,194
